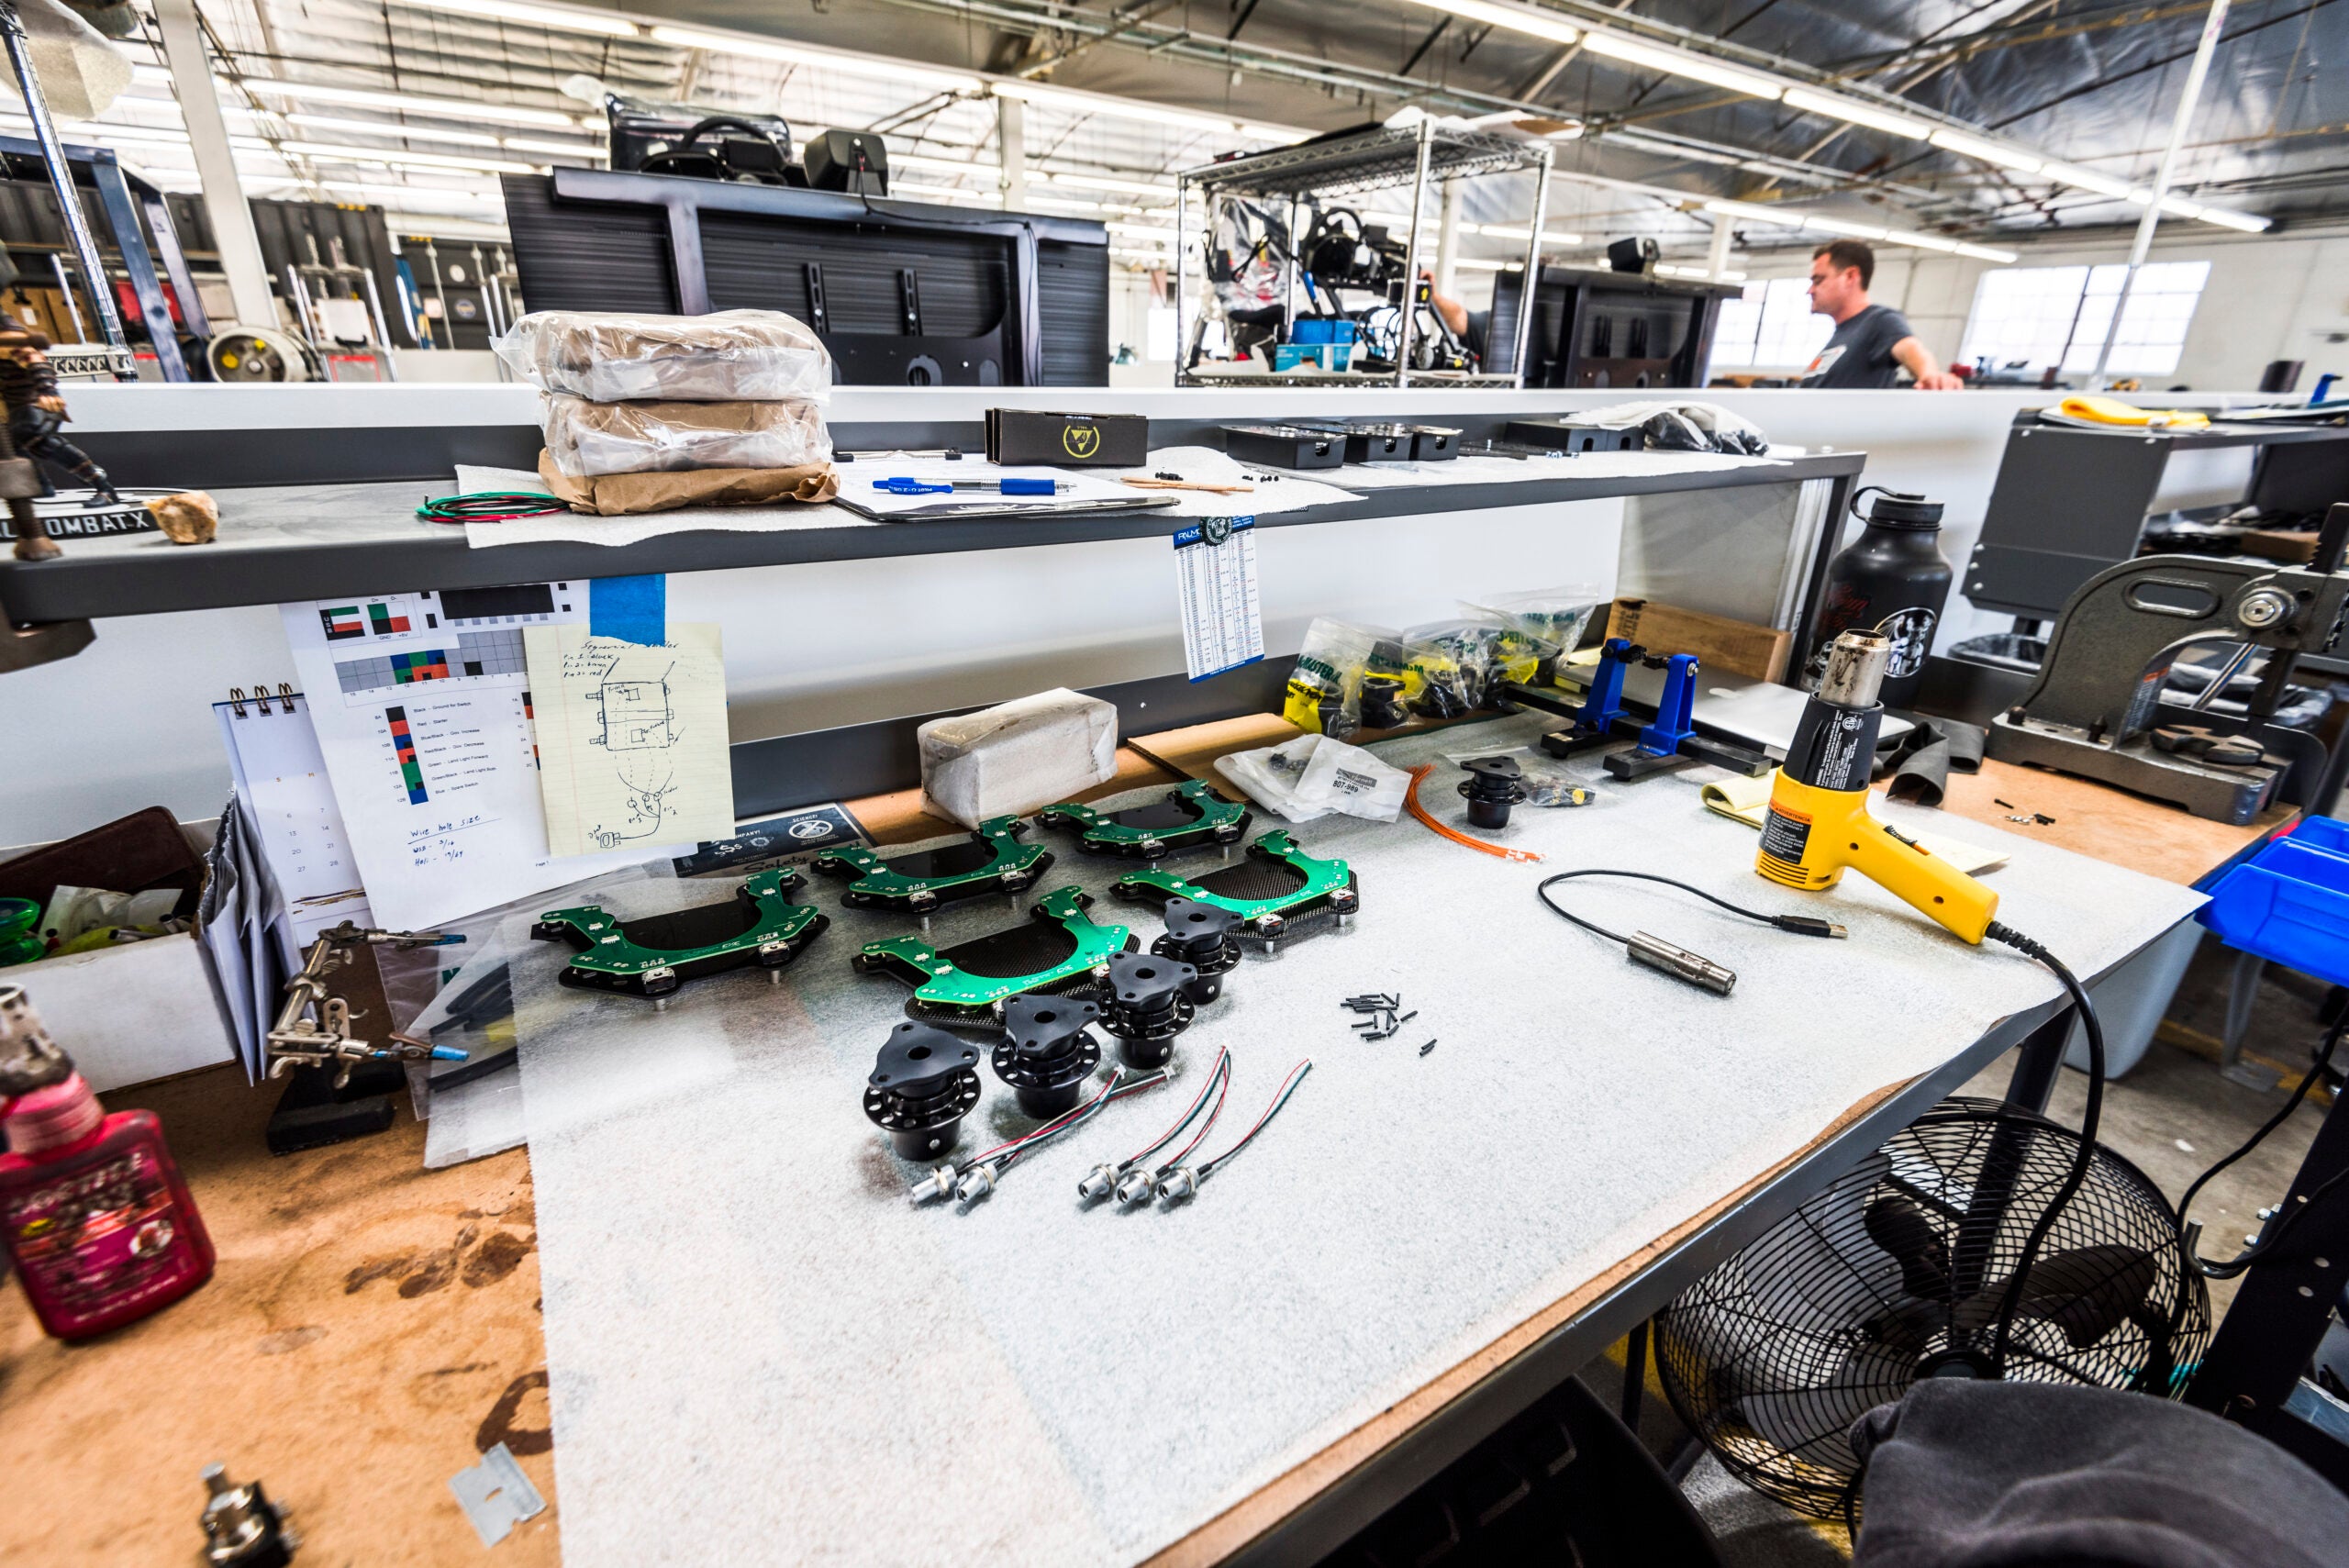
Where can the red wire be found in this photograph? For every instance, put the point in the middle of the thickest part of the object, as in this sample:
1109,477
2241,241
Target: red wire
1113,1092
1224,1067
1197,1100
1294,1073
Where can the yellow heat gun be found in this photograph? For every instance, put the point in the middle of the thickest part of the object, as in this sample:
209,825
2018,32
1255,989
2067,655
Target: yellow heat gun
1819,823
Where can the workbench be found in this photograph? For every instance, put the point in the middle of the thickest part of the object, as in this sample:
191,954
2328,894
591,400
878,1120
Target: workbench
373,1325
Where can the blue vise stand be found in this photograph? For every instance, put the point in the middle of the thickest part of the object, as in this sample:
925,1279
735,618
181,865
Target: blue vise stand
1659,749
1602,705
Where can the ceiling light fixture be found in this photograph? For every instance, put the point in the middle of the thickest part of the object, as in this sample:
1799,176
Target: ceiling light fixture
1526,19
1683,62
2087,180
1108,182
1836,107
387,127
1813,223
942,165
556,18
1073,102
551,149
936,78
1502,232
409,103
335,152
1986,151
1988,253
2243,222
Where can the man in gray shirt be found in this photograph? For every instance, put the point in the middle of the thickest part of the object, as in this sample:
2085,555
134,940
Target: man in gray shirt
1871,341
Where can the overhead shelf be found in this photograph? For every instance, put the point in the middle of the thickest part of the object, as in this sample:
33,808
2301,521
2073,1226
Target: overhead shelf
313,541
1369,160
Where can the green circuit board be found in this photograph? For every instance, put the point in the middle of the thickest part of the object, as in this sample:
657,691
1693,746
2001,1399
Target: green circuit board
1248,892
992,859
1190,814
653,955
1060,948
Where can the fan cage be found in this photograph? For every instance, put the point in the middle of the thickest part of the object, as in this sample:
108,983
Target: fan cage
1773,1356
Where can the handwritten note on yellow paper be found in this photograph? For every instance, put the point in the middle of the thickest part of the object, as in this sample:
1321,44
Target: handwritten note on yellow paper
631,738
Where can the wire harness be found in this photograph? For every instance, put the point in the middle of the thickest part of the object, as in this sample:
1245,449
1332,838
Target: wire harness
1671,958
984,1172
1103,1180
488,506
1180,1182
2274,1231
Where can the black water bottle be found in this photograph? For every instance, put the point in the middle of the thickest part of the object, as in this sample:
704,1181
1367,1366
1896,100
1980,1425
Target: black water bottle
1893,579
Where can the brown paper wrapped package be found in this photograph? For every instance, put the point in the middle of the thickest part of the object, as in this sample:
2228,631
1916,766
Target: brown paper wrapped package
588,441
628,495
610,357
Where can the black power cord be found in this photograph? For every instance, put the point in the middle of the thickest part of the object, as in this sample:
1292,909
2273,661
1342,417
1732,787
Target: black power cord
1679,962
2089,1118
2276,1230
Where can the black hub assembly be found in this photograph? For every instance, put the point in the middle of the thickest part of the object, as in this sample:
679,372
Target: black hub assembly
924,1082
1047,1054
1201,936
1493,785
1382,703
1148,1005
1441,699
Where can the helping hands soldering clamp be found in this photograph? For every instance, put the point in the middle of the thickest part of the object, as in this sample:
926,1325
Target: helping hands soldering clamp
2096,709
313,1029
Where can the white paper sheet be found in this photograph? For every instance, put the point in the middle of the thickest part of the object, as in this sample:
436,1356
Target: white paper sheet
421,705
632,738
297,826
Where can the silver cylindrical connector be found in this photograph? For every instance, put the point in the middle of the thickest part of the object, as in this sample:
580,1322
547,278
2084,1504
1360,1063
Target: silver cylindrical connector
1178,1184
1099,1184
977,1183
1680,963
937,1184
1855,666
1135,1185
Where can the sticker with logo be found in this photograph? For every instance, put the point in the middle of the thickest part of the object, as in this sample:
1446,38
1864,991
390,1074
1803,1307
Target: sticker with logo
1080,441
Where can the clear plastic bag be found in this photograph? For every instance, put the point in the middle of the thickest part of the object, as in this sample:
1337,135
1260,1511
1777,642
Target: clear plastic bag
1539,627
734,355
1313,775
1325,689
1450,663
592,440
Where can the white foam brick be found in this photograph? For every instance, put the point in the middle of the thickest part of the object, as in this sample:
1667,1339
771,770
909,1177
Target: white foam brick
760,1353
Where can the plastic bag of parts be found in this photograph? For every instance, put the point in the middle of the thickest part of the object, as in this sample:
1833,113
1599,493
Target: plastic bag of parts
1250,247
1547,781
1312,776
1448,665
592,440
734,355
1547,623
1683,426
1325,689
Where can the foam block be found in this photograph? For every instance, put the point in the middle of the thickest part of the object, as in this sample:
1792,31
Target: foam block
1018,755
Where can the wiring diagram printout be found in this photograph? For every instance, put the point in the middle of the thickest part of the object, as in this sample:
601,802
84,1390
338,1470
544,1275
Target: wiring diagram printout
422,704
632,738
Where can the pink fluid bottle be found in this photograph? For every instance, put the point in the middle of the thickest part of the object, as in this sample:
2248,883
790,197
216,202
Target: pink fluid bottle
92,1211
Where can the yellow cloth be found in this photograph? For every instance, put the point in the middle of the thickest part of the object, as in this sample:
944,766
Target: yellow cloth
2112,411
1747,800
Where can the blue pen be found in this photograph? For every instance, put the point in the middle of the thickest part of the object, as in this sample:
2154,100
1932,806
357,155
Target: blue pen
1012,486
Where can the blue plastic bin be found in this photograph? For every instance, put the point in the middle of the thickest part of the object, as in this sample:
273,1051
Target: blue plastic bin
2289,904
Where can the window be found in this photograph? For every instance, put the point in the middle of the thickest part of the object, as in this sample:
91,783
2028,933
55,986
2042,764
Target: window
1770,326
2037,317
1158,342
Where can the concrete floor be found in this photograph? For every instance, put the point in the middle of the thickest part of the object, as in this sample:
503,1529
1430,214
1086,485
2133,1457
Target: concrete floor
2173,1116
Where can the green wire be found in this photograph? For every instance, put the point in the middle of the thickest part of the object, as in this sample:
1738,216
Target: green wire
488,506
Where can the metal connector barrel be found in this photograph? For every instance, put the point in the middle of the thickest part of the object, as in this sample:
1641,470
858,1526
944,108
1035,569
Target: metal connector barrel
1680,963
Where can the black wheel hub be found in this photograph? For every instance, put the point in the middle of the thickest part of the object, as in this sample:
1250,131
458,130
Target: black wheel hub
924,1082
1047,1052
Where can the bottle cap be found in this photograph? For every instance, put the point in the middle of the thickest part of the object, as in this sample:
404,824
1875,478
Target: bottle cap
53,1117
1895,509
29,1060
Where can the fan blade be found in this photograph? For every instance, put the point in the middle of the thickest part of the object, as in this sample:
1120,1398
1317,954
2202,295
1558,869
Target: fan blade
1917,1244
1809,1421
2087,1292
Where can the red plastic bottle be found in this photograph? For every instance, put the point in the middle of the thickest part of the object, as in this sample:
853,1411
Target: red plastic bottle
92,1211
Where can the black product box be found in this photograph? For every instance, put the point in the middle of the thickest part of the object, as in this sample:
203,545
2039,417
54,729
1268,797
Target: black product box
1563,435
1285,446
1433,443
1371,441
1018,436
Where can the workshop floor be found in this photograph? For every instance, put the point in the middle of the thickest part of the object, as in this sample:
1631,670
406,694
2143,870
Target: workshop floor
2174,1115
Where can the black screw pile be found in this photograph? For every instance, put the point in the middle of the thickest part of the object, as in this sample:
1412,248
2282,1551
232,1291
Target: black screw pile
1385,1014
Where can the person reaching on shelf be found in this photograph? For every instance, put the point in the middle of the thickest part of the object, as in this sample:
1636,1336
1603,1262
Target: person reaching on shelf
1871,342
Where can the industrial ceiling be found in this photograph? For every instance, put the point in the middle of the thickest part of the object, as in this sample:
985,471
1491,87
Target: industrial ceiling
2009,119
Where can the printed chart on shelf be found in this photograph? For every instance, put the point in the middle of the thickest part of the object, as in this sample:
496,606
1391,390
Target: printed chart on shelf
423,710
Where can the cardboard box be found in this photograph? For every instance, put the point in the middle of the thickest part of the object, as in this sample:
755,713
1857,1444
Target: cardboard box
1018,436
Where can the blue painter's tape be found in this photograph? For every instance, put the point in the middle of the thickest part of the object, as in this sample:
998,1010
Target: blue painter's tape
630,609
